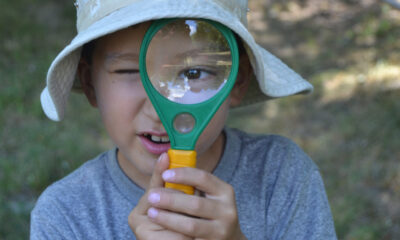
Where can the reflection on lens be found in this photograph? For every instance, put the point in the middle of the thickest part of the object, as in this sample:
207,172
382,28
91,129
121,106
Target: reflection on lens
184,123
188,61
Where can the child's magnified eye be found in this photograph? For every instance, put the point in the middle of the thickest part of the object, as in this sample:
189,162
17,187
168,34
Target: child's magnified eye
193,73
196,74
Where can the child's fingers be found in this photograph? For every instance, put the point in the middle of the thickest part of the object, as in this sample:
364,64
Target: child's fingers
201,180
166,235
194,227
143,228
156,181
212,217
175,201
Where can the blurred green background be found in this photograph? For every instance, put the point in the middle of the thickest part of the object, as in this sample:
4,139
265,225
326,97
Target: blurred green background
350,125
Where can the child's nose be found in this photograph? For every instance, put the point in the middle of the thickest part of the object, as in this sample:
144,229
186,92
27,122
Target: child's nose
149,110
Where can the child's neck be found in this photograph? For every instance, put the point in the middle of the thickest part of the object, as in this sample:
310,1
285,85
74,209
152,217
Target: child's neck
209,160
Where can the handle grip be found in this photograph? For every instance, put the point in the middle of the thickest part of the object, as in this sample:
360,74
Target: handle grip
181,158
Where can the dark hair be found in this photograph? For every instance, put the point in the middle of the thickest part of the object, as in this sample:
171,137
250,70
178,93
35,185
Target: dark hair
87,51
240,44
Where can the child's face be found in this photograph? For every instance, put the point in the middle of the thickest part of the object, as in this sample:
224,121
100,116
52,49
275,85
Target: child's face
112,83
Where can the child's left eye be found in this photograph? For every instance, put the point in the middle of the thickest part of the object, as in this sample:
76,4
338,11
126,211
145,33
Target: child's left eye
126,71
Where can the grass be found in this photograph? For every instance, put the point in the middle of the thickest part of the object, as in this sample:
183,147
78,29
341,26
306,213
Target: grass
349,126
351,123
34,151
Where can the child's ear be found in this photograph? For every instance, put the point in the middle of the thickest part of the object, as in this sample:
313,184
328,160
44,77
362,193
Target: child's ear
85,78
245,74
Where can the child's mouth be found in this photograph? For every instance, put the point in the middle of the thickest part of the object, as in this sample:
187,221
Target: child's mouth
156,139
155,144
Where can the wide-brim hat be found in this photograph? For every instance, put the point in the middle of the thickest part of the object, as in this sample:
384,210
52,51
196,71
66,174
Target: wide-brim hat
96,18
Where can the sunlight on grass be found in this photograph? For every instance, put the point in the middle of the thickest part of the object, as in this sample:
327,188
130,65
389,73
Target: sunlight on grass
342,85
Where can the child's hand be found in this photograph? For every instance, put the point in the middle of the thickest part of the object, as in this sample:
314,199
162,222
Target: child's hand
140,223
211,217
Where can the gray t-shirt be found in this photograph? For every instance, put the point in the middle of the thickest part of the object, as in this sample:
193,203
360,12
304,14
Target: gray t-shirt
279,194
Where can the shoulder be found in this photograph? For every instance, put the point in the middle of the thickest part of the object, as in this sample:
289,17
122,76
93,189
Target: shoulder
85,176
277,165
78,206
53,216
75,187
276,175
274,152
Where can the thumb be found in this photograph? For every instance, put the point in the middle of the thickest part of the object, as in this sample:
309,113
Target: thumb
162,164
156,181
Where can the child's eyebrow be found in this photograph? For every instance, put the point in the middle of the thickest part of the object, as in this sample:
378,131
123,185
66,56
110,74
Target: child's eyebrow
112,57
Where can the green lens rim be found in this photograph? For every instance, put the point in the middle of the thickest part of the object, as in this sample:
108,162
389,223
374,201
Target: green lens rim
202,112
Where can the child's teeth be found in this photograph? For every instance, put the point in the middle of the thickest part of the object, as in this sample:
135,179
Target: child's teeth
155,138
165,139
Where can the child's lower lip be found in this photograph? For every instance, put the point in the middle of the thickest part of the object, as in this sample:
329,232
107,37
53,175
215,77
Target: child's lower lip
154,148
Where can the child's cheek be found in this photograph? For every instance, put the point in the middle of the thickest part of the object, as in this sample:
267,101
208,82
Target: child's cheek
213,129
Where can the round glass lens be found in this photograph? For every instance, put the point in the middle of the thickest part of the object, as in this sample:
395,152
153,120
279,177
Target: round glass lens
184,123
188,61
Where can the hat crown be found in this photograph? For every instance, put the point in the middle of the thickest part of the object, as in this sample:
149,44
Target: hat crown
90,11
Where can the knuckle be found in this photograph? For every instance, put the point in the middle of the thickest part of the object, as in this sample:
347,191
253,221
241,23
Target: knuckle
190,227
221,232
131,218
230,191
231,215
140,232
166,200
202,176
197,205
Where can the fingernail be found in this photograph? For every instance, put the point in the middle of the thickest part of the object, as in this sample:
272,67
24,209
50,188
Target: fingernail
168,175
160,157
154,198
152,212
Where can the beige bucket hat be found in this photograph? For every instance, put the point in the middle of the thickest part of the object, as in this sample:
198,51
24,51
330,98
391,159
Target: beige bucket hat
96,18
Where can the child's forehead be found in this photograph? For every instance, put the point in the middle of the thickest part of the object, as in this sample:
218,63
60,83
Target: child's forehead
130,37
136,31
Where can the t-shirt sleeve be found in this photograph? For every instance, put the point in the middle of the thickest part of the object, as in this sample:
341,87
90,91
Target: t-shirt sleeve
48,222
299,207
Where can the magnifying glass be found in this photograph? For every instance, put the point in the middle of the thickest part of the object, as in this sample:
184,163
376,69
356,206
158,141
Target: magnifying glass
188,68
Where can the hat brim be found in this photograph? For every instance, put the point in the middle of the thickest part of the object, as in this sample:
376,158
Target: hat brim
275,79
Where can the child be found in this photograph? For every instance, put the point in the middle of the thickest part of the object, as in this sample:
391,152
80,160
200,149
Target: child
251,187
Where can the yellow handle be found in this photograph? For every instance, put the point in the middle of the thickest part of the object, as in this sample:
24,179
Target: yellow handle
181,158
